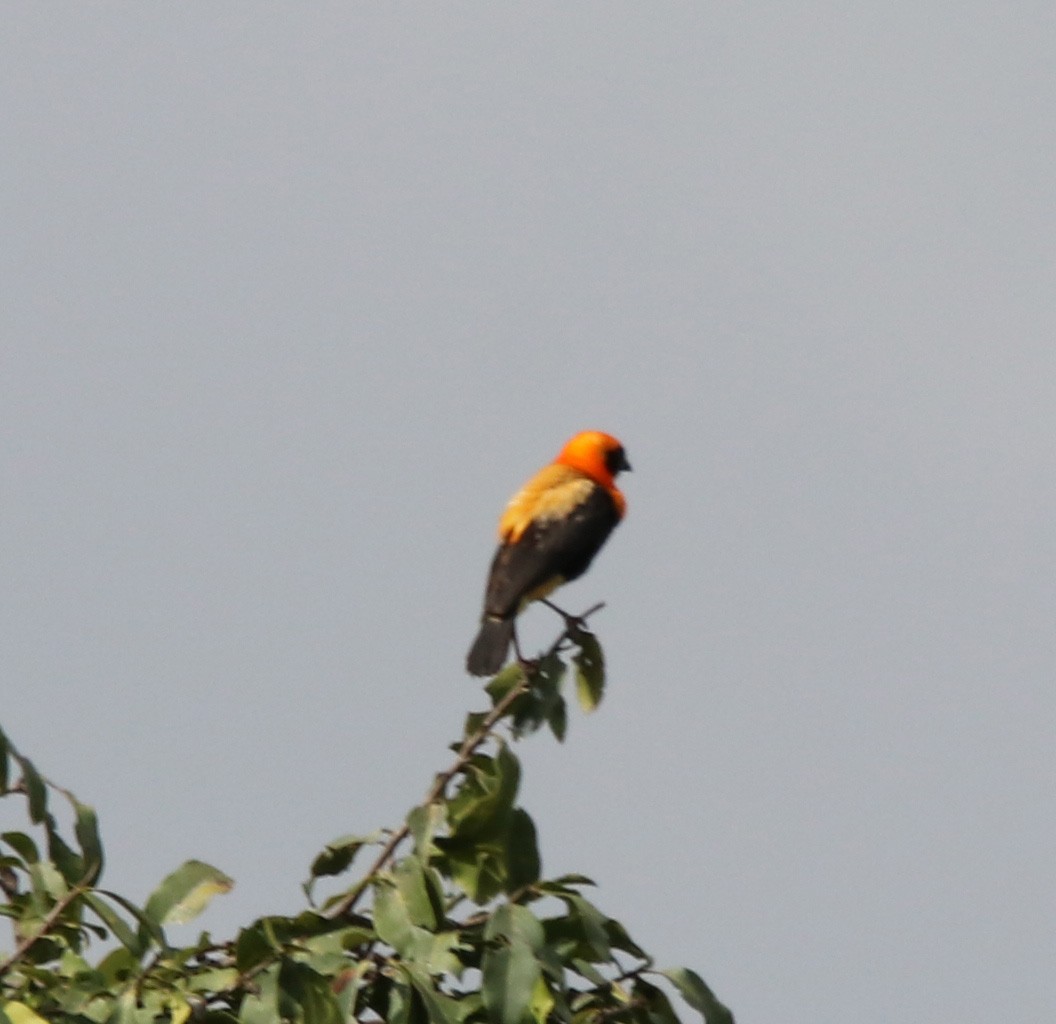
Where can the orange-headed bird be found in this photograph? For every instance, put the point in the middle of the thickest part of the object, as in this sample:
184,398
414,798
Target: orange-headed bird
549,534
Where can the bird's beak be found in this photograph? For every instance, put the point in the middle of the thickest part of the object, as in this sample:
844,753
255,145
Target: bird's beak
625,466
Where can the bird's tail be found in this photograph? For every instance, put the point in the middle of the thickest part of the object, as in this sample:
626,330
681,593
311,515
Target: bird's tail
488,653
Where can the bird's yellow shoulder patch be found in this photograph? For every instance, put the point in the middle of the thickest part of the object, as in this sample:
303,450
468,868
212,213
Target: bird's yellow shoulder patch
551,494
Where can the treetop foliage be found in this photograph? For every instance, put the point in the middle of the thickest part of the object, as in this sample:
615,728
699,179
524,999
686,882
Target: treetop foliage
450,922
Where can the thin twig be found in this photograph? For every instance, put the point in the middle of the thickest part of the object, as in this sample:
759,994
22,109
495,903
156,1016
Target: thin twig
469,747
46,925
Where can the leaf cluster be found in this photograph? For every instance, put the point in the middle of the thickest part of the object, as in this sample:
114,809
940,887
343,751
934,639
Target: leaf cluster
451,922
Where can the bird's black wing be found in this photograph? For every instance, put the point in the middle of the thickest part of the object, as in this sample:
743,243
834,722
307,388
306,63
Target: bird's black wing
557,548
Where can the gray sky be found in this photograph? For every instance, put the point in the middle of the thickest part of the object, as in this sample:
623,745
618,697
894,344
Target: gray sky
294,296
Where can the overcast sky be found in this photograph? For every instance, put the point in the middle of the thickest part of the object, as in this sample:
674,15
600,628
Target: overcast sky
295,295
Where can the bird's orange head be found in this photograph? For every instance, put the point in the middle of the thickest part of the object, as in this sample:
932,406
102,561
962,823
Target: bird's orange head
599,456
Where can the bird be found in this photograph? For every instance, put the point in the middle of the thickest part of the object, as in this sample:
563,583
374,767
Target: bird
549,533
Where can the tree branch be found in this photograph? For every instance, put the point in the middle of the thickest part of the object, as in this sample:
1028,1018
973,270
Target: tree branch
469,747
49,922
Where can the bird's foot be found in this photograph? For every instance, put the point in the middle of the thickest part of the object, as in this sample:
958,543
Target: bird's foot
575,625
529,666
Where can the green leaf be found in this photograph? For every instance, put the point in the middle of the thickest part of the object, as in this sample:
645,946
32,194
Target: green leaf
420,892
549,671
474,721
582,932
69,863
509,976
19,1013
253,946
336,857
131,939
126,1011
515,923
349,983
86,829
310,992
149,927
215,980
541,693
498,687
658,1006
340,939
48,881
522,856
542,1003
620,939
587,970
185,893
405,1006
392,918
557,718
23,845
472,806
441,1008
262,1006
509,774
36,790
327,943
564,881
476,853
117,967
435,952
551,703
425,822
693,989
478,868
590,671
485,795
543,699
4,770
439,954
591,925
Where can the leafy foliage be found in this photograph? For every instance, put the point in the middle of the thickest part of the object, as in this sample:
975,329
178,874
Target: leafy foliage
450,924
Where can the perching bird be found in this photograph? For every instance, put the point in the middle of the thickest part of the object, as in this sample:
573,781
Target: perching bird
549,533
